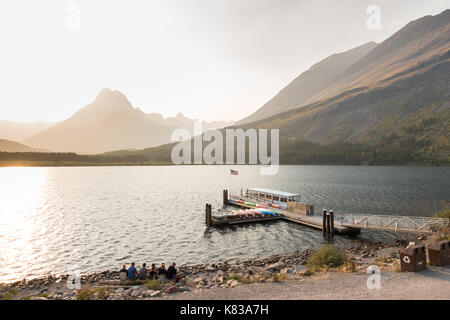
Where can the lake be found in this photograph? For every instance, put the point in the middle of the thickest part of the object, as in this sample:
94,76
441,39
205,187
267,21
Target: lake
96,218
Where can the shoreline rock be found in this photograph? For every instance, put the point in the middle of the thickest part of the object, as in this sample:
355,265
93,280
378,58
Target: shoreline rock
106,284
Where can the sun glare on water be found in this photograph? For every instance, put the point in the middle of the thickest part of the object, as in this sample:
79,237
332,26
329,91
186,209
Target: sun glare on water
21,222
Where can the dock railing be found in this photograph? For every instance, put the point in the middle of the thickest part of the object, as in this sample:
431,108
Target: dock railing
394,223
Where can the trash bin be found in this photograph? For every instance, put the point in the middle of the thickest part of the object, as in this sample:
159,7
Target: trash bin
439,253
413,258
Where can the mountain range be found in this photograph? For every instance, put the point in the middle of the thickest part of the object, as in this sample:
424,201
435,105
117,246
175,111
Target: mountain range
109,123
391,97
397,93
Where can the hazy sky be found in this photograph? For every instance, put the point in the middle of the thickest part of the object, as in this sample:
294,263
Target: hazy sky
210,59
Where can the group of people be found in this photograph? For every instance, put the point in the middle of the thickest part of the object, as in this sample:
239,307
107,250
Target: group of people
152,273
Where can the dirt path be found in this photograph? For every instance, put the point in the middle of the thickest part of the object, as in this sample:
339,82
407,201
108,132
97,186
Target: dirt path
433,283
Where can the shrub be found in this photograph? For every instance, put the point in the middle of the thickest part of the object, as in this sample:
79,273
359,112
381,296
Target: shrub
84,294
398,266
444,213
325,257
154,284
234,276
10,295
97,293
279,277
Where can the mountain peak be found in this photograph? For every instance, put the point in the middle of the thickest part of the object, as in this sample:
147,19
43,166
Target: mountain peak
106,95
107,102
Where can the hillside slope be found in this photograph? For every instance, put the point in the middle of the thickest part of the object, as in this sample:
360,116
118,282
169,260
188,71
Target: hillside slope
415,45
319,77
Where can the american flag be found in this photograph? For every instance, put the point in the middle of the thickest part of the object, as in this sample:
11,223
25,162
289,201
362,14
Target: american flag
234,172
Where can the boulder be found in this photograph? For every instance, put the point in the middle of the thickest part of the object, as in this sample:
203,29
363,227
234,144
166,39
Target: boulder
171,289
299,268
135,293
120,290
38,298
155,293
277,266
200,280
306,273
184,289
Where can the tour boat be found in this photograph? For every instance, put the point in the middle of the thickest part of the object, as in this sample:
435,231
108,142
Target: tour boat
274,198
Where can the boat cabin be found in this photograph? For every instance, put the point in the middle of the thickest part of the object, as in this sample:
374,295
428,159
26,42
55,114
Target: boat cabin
273,196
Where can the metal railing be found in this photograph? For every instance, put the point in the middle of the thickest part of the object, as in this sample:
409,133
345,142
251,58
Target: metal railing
394,223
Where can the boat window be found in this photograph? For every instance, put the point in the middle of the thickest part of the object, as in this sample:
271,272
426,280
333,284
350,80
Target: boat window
283,200
297,198
276,198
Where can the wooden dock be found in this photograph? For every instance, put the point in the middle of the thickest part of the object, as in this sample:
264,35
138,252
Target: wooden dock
345,224
316,222
311,221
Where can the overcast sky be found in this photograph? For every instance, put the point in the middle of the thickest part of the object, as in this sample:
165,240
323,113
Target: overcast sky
209,59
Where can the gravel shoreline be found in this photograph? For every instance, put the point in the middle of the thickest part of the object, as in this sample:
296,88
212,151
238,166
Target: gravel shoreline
202,278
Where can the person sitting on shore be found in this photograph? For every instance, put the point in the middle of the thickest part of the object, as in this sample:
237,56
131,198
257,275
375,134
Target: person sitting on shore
172,273
153,274
123,273
132,272
162,272
143,272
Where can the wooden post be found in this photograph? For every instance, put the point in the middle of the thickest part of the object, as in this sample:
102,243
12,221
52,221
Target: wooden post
328,224
332,221
225,197
208,220
324,222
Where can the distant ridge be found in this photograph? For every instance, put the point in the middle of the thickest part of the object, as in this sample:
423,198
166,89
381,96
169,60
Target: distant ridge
12,146
19,131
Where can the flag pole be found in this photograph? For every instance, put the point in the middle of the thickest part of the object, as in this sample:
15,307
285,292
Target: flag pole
229,182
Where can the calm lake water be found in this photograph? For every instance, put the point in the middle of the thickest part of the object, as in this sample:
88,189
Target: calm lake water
96,218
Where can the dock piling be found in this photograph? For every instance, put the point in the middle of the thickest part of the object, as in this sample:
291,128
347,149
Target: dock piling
225,197
332,222
328,224
208,220
324,223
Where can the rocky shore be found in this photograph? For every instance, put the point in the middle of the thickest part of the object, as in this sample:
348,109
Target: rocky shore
106,284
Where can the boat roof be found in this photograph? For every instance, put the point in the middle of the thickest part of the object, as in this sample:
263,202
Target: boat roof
276,192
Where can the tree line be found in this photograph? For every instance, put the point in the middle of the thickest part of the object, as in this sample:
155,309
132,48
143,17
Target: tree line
407,151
